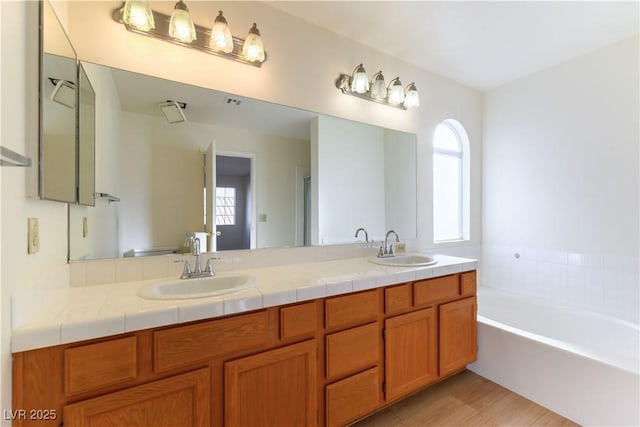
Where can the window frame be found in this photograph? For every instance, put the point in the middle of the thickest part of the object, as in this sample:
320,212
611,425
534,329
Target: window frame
462,155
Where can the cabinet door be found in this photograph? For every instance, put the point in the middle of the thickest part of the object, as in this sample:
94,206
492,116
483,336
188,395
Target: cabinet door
182,400
458,335
274,388
411,351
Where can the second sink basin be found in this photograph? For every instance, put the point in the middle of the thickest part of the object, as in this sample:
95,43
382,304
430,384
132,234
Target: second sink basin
196,288
408,260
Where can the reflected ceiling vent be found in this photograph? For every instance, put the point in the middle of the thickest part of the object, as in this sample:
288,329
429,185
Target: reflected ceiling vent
232,101
64,92
173,111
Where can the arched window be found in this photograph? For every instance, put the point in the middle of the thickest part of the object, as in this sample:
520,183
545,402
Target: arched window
450,182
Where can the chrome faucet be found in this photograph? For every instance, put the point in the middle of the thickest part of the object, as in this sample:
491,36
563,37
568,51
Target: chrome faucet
386,250
366,235
193,243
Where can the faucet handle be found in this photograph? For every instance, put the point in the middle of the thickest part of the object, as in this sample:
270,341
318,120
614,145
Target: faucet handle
186,271
209,267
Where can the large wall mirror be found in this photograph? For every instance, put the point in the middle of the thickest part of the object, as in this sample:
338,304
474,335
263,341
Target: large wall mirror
250,173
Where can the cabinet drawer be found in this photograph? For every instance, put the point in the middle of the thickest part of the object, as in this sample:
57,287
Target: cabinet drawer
298,320
352,350
434,290
468,283
351,309
188,344
353,397
181,400
96,365
398,298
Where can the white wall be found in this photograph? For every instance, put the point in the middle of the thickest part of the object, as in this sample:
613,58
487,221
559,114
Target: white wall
20,133
561,182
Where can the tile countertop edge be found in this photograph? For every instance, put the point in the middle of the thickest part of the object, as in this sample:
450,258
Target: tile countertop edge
50,332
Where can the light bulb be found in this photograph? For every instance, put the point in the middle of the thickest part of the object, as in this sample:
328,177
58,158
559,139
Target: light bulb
359,81
253,50
221,38
378,86
412,99
396,92
181,25
138,14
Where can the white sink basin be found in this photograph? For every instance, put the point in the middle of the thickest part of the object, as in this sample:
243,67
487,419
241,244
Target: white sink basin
408,260
196,288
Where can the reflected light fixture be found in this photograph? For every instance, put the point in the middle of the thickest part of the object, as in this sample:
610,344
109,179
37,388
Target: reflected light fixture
179,29
173,111
394,95
64,92
181,25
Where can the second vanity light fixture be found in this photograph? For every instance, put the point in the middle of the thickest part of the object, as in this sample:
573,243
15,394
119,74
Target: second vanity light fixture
137,16
394,95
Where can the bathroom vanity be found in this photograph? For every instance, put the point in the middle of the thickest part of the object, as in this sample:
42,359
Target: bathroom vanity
325,361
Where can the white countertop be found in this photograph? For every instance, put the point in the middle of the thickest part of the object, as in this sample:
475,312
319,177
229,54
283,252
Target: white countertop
81,313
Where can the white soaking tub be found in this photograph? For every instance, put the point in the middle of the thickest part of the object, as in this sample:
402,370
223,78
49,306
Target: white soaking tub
579,364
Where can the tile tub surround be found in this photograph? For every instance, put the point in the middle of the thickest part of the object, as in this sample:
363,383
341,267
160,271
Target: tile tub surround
602,283
86,312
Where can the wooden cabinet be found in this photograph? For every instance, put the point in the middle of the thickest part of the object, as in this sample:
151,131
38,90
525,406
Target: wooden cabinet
179,401
458,335
411,350
324,362
273,388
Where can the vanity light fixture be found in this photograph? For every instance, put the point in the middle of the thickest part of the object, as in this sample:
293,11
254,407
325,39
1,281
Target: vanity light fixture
221,38
411,97
396,92
376,90
137,13
181,25
173,111
179,29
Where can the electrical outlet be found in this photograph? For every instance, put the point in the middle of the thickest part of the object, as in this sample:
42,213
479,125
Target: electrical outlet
33,236
85,227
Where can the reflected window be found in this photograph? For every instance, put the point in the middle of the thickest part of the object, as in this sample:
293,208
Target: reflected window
225,206
450,182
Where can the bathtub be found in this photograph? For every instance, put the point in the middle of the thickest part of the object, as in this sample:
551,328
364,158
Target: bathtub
582,365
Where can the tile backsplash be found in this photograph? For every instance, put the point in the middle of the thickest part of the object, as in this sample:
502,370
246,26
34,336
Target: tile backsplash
606,284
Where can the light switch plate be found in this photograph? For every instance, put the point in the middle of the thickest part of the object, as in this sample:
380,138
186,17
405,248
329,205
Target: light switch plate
33,236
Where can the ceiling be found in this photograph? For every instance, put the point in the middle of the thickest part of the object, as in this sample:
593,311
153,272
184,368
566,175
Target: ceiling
480,44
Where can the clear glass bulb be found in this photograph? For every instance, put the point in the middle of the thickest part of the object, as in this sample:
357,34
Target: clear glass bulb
137,13
181,25
221,38
253,50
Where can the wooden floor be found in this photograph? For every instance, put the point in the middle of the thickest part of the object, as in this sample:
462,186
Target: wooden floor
465,399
